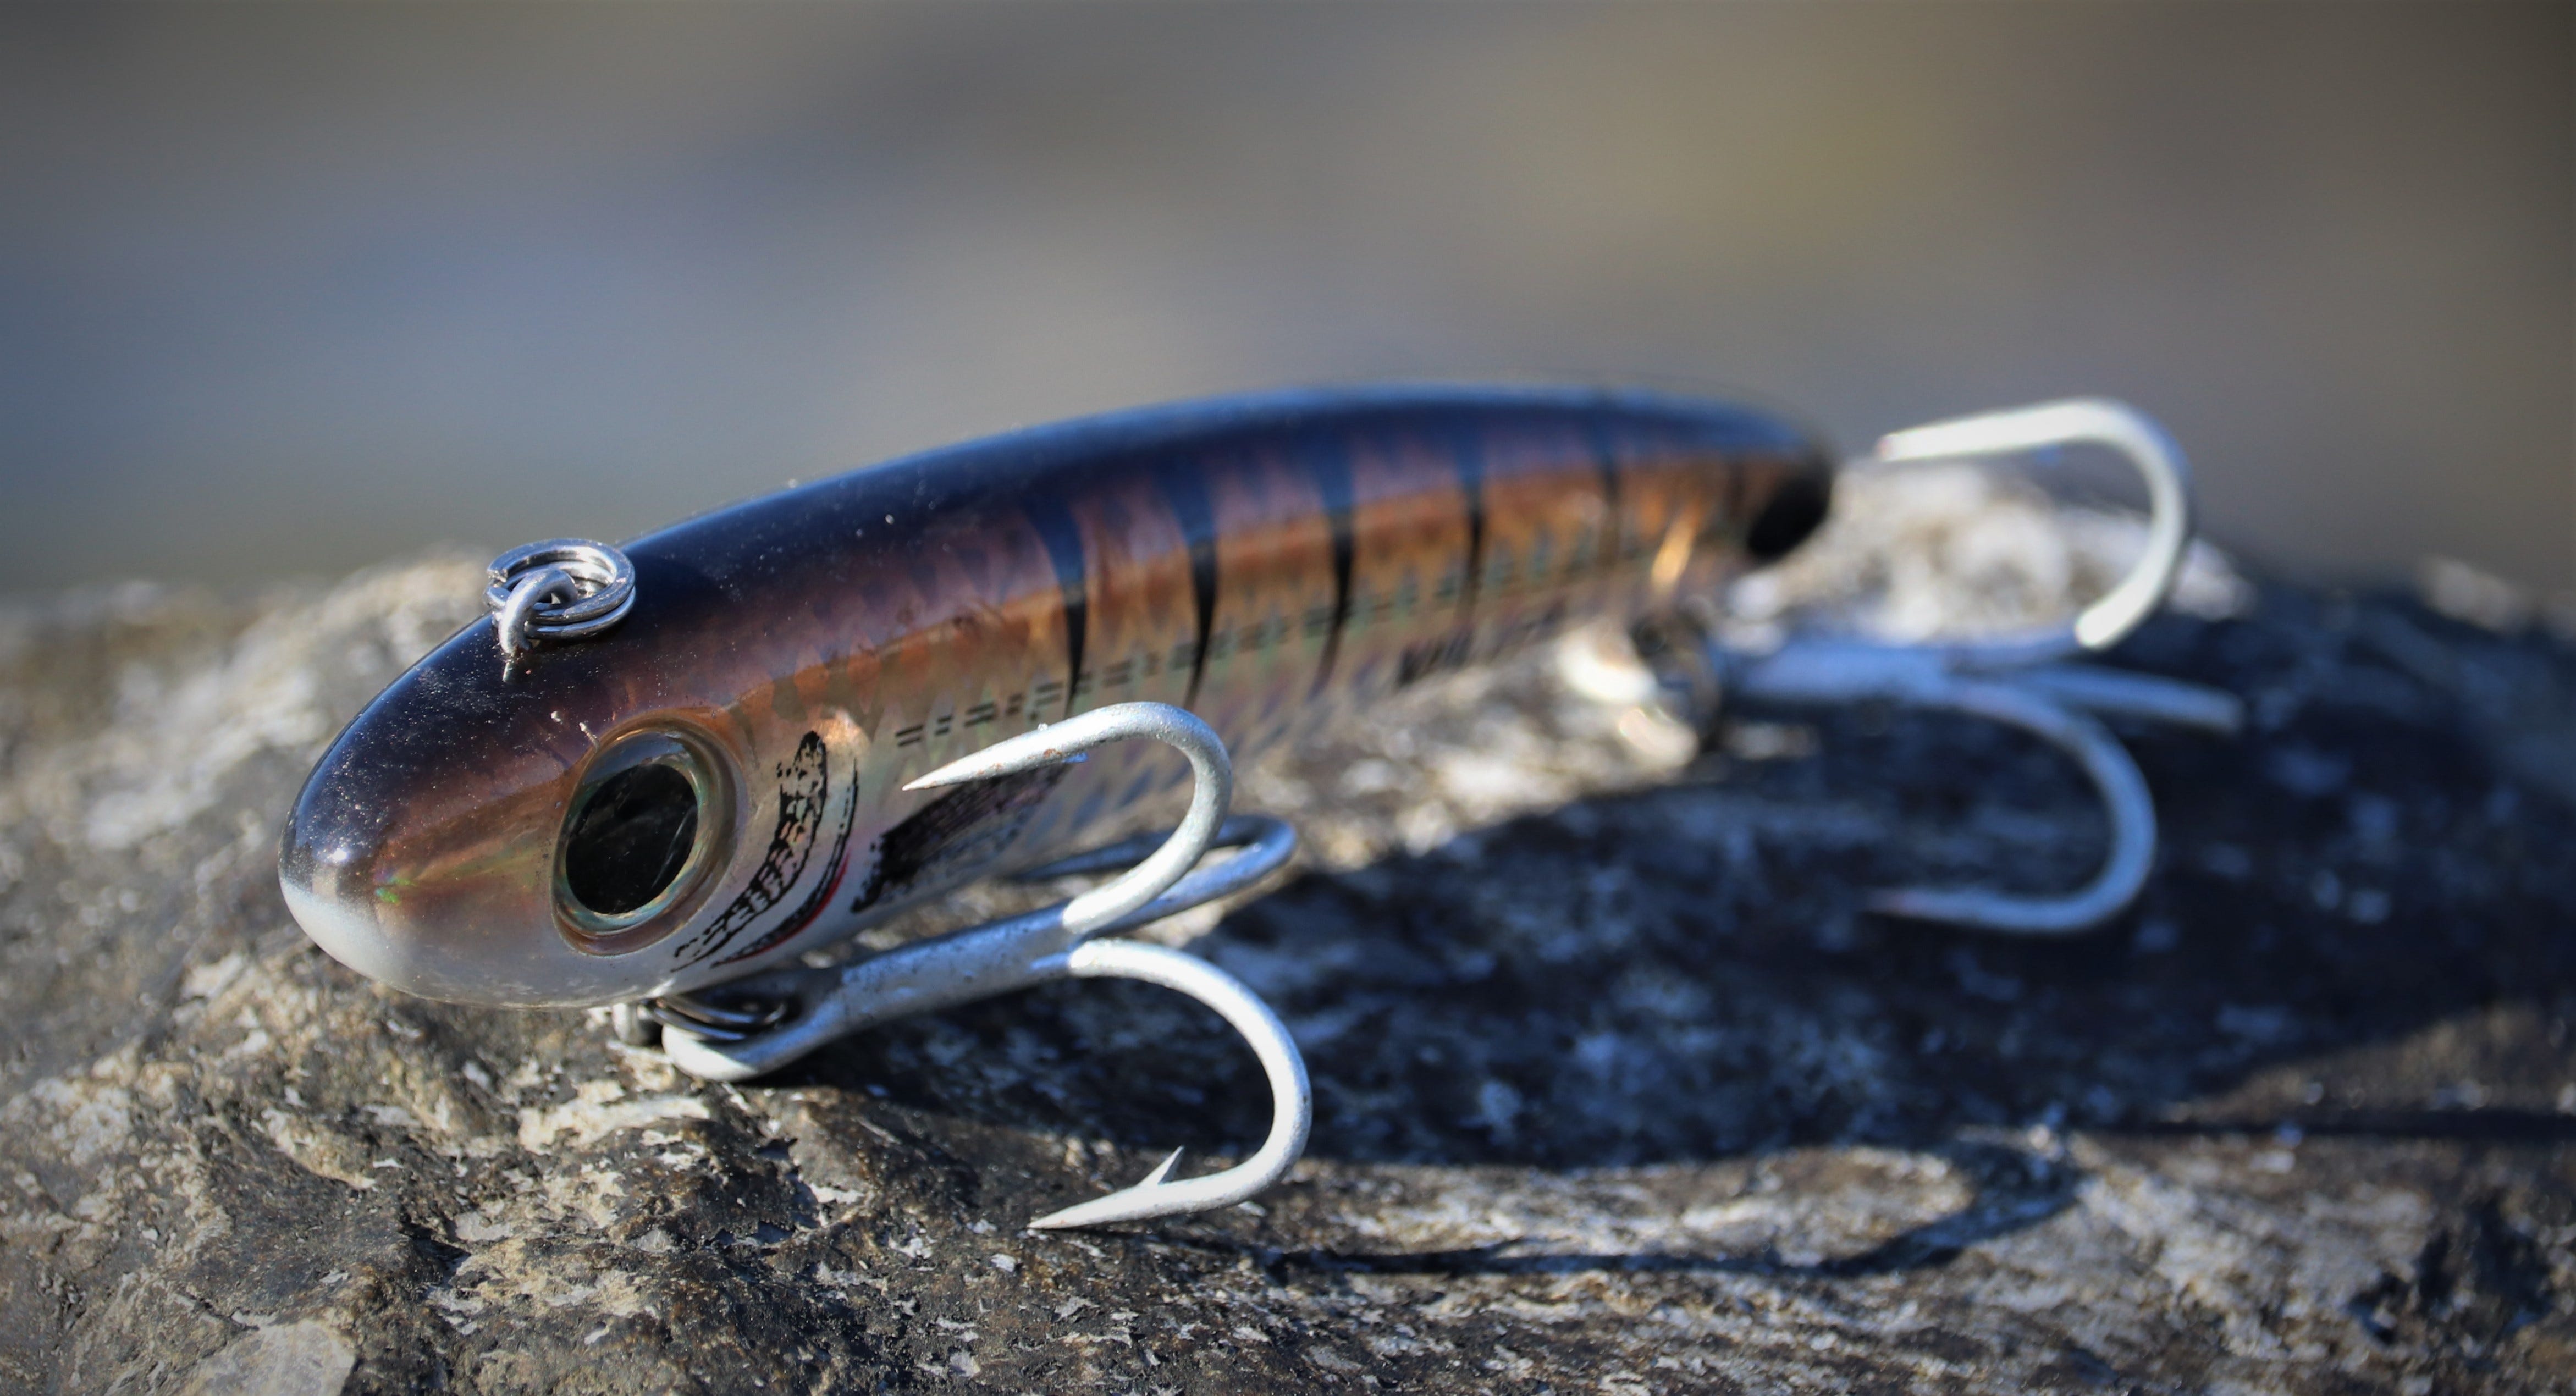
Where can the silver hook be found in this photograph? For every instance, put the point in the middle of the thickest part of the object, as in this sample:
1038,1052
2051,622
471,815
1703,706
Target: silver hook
2125,430
1292,1100
2124,798
2014,681
817,1006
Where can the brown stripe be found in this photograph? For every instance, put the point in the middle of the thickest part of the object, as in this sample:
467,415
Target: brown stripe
1184,487
1063,540
1467,457
1605,462
1330,462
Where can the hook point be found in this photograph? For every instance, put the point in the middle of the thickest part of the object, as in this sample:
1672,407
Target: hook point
976,767
1127,1204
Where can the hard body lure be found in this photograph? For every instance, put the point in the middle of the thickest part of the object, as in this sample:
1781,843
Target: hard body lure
661,776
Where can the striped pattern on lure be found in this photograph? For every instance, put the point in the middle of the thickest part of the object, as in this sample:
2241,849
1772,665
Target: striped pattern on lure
716,786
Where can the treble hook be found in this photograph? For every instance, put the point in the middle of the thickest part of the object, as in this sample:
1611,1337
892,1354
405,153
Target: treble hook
812,1007
2019,680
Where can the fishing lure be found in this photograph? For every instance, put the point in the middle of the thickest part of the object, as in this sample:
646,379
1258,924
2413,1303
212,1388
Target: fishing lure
660,777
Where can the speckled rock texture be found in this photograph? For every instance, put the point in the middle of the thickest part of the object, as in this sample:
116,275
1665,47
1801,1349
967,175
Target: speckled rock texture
1618,1091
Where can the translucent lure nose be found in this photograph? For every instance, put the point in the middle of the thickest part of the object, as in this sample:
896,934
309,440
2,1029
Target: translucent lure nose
327,867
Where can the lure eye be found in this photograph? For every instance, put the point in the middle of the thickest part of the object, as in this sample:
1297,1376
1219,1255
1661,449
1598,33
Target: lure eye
638,838
1792,513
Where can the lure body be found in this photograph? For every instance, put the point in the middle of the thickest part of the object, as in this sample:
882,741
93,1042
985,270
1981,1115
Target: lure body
717,785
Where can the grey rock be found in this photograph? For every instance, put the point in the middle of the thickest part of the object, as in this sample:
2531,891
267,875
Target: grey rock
1618,1090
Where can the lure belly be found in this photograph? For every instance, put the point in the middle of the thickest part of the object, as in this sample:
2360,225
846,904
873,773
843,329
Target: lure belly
718,784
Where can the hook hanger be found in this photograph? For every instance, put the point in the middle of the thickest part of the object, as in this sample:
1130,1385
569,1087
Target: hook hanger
2021,681
798,1010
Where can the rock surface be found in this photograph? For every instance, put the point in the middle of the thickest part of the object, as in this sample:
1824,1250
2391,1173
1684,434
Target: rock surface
1617,1089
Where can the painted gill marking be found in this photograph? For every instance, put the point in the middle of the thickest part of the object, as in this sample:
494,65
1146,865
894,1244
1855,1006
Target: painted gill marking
1063,540
964,829
825,887
804,784
1330,463
1184,488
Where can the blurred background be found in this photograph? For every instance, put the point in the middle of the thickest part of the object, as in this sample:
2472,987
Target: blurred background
288,291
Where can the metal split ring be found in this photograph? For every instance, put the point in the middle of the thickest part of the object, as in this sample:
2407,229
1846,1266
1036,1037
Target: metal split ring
560,589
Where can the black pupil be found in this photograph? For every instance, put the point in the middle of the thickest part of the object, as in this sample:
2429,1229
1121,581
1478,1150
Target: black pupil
630,839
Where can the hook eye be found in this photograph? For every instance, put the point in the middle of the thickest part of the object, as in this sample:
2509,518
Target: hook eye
2102,422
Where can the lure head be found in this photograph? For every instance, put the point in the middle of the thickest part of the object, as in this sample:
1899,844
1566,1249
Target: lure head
463,810
615,815
576,826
